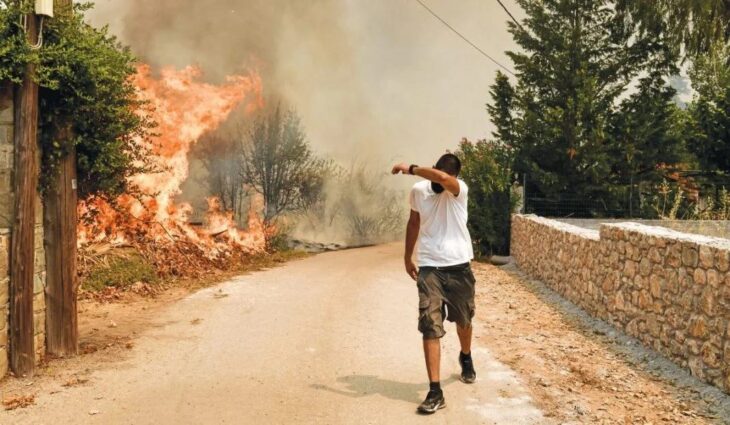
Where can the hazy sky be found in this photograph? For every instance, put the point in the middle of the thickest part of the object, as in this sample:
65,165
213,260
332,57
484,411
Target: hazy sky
372,79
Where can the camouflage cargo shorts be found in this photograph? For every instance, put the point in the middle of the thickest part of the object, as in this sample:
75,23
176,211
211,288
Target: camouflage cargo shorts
444,292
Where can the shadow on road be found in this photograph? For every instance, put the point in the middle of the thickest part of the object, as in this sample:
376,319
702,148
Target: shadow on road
365,385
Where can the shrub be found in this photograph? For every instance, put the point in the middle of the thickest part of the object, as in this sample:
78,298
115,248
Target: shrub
487,170
120,272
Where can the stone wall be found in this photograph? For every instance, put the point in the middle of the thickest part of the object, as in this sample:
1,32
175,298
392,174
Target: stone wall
4,292
6,216
670,290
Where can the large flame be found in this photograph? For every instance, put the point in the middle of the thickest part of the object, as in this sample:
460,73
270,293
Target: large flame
184,109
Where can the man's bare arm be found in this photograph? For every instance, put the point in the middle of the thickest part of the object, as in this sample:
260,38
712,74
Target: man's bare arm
414,226
446,180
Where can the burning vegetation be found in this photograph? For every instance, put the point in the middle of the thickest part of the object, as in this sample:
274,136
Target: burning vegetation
148,218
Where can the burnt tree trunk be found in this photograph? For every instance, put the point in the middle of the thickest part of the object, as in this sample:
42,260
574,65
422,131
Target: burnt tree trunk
60,220
22,243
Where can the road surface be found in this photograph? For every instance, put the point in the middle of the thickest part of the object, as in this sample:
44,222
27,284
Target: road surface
330,339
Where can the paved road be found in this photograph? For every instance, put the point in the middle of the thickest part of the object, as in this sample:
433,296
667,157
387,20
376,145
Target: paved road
330,339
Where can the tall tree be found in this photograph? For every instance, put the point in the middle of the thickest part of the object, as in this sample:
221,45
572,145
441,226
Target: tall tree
709,126
577,58
643,142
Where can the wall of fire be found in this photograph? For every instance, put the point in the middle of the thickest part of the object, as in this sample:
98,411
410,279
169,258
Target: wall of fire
6,218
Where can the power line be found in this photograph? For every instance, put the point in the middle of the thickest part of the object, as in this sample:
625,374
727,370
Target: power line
463,37
510,14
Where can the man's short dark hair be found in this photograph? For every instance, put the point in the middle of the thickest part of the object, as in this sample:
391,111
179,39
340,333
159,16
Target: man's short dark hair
450,164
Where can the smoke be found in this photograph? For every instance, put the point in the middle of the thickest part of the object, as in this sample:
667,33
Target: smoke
374,81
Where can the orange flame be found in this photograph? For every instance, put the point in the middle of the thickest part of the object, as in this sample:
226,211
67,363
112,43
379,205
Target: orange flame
184,109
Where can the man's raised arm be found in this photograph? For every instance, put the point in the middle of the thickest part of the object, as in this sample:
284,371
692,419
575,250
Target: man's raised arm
446,180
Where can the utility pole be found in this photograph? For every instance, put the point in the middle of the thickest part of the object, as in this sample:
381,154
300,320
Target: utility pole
22,242
60,221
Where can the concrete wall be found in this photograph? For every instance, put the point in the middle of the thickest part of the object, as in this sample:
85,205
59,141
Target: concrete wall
670,290
6,216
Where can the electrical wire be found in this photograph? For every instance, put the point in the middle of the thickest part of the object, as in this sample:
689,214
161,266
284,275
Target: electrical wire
463,37
39,44
510,14
24,25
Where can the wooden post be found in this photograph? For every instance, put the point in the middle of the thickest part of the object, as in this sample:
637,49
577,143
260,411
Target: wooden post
60,221
22,243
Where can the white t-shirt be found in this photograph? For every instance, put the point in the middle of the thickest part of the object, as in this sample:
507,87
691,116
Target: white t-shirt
444,238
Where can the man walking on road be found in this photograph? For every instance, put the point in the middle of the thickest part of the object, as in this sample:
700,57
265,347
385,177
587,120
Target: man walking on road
444,277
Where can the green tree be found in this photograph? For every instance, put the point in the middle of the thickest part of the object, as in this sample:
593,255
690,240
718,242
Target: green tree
709,126
644,142
85,85
577,59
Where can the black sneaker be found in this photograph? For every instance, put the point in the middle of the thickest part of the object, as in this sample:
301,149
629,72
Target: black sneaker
433,402
468,375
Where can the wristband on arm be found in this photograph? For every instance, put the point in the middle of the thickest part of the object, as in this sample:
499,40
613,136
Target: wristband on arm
410,169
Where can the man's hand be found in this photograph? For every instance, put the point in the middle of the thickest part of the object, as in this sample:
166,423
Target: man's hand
411,269
400,168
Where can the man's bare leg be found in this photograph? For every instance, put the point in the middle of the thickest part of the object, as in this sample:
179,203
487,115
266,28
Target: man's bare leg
468,375
432,352
435,398
464,338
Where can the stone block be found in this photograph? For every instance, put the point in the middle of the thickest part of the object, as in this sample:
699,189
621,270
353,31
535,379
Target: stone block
708,301
722,260
4,291
674,255
656,283
711,355
6,209
698,327
713,278
672,282
6,134
690,257
630,268
707,257
4,337
6,158
644,300
699,277
38,283
655,255
39,323
693,346
4,264
653,326
717,326
3,361
39,302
